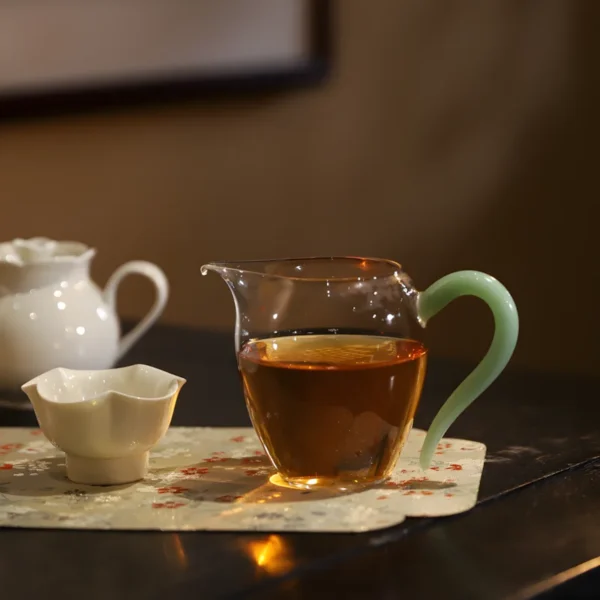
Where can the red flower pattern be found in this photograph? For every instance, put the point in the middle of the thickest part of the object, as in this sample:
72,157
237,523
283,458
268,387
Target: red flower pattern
6,467
195,470
168,504
173,489
399,484
238,439
393,485
227,498
454,467
7,448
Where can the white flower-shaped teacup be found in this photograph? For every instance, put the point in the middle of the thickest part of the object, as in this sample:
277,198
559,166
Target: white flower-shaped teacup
105,421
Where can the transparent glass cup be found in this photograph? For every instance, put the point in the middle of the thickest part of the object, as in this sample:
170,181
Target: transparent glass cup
332,360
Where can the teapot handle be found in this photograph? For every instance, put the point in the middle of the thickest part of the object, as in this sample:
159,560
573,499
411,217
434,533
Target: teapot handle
506,322
161,283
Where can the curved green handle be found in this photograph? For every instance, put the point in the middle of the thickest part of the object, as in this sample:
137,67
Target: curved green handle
506,319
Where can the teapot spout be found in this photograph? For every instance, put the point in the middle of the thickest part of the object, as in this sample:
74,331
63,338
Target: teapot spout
30,388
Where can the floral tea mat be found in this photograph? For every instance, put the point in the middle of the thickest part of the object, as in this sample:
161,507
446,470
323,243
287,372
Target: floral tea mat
219,479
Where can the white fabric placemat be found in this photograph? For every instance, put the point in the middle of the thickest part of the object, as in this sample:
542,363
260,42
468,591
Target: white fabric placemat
218,479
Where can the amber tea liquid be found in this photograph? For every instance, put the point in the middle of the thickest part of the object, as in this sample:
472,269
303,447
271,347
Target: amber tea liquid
333,410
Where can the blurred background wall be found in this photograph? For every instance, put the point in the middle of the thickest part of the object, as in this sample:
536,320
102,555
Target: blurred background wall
451,135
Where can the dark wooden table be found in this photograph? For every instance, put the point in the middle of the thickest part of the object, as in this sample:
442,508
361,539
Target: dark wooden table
534,533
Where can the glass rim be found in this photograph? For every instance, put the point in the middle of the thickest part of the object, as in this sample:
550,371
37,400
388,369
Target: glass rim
367,268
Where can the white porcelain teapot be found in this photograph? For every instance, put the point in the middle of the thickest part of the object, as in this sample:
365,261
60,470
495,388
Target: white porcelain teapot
53,315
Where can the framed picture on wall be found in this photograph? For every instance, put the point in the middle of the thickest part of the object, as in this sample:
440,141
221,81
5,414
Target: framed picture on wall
60,54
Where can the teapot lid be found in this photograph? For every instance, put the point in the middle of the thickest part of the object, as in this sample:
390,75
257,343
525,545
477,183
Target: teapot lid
22,252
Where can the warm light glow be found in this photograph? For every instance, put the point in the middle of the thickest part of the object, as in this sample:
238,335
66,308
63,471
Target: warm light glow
182,558
271,555
175,552
550,583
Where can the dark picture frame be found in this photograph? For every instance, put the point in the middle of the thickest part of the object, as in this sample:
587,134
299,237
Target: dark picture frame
180,87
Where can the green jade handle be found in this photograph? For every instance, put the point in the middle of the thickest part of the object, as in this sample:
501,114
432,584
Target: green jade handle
506,332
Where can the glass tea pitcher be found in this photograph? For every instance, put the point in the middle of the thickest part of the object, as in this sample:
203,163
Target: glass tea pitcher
332,361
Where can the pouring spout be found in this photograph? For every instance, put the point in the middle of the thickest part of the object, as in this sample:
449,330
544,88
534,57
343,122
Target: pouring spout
258,267
230,272
260,293
31,384
227,271
216,267
242,275
31,389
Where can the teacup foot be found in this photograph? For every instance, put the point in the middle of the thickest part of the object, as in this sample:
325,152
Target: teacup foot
107,471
